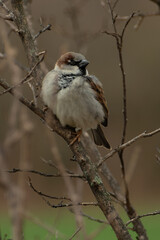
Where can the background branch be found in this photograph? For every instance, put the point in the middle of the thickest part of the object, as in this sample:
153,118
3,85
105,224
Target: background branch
144,215
138,226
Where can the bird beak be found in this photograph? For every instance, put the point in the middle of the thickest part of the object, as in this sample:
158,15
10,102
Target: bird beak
83,63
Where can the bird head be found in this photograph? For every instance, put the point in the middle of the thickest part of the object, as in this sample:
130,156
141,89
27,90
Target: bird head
72,63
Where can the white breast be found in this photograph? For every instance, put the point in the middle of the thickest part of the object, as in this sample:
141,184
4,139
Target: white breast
50,89
76,106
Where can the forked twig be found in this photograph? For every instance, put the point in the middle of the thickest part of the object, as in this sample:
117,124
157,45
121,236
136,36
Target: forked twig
24,80
138,227
93,219
144,215
66,205
45,195
48,27
15,170
61,204
119,42
127,144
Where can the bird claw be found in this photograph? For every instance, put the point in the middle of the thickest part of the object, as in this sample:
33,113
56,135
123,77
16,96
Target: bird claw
45,109
76,138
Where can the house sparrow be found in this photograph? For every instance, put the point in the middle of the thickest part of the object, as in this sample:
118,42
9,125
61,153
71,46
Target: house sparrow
75,97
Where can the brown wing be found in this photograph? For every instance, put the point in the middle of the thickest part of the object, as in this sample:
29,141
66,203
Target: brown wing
101,98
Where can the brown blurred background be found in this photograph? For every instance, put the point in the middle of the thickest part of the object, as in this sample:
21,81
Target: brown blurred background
141,53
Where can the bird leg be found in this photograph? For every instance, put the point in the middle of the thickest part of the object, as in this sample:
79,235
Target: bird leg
45,108
77,137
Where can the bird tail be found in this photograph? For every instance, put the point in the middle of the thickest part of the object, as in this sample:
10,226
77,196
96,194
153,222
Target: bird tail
99,137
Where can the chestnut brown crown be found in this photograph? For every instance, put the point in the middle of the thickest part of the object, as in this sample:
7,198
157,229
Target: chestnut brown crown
72,61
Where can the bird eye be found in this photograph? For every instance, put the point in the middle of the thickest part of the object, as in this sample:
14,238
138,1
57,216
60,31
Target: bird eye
71,62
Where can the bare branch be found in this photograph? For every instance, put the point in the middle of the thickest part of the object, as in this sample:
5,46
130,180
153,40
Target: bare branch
4,6
93,219
48,27
144,215
29,44
127,144
126,24
23,100
46,195
119,43
24,80
49,163
64,205
75,233
115,4
15,170
139,14
8,17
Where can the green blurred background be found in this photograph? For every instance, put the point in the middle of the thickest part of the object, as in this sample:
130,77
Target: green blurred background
141,54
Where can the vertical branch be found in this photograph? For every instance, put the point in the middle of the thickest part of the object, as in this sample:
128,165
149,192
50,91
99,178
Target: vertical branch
28,42
24,31
119,43
138,227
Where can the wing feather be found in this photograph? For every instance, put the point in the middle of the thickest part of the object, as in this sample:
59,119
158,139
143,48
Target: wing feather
100,97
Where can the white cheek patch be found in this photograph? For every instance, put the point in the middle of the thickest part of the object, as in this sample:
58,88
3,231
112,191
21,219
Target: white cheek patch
68,69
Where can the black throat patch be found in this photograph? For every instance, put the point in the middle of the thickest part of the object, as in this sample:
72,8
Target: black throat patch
65,80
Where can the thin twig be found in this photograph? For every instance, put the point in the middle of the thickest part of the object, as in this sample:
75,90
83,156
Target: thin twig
23,100
127,144
139,14
90,218
45,195
60,198
126,24
27,76
115,4
64,205
144,215
93,219
48,27
8,17
49,163
77,231
119,42
4,6
15,170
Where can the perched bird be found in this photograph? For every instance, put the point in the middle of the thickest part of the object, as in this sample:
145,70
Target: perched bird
75,97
